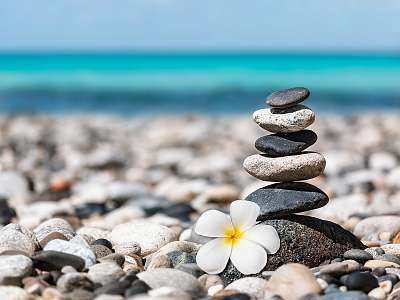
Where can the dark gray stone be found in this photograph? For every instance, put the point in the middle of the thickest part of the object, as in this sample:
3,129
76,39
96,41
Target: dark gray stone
362,281
283,144
289,97
358,255
306,240
6,212
285,198
54,260
353,295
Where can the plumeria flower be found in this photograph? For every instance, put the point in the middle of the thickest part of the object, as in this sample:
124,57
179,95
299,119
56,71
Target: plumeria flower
237,237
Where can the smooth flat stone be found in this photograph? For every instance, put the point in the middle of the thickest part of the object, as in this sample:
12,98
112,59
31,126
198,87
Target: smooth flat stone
54,260
283,144
294,118
289,97
298,167
282,199
306,240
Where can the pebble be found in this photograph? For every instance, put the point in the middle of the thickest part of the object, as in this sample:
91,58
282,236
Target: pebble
171,292
376,263
6,212
393,249
103,242
105,272
289,168
339,268
53,229
377,293
73,281
137,287
55,260
362,281
252,286
288,97
119,259
290,119
190,268
73,248
13,268
181,280
149,236
209,280
390,257
282,199
16,239
352,295
291,282
13,293
358,255
100,250
369,228
283,144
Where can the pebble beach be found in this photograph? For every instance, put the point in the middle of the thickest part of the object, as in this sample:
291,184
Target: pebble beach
103,207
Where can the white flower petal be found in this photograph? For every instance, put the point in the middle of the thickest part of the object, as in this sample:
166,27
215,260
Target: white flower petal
244,214
266,236
213,256
213,223
248,257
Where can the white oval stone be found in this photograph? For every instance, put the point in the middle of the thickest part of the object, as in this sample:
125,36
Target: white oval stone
149,236
291,119
303,166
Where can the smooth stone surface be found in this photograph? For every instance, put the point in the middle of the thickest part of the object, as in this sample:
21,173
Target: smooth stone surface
290,119
53,229
291,282
73,248
306,240
173,278
285,198
339,268
358,255
288,97
13,293
362,281
249,285
56,260
393,249
13,268
377,263
71,281
149,236
16,239
302,166
6,212
370,228
105,272
352,295
283,144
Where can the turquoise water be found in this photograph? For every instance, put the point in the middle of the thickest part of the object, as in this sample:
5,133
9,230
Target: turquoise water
207,83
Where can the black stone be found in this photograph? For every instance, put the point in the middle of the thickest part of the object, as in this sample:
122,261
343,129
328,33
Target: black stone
137,287
284,198
287,98
103,242
86,210
306,240
180,211
361,281
238,296
392,277
50,260
283,144
6,212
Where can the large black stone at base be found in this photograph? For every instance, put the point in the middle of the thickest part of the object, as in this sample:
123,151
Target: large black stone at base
283,144
289,97
282,199
306,240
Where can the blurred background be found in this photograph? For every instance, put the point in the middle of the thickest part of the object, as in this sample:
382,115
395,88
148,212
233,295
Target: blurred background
171,56
123,109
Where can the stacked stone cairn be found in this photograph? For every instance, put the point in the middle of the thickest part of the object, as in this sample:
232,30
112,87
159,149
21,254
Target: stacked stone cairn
284,158
304,239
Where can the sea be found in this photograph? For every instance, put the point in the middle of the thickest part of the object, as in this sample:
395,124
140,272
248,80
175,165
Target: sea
131,84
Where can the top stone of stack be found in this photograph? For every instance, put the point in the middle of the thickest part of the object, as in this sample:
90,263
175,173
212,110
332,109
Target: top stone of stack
288,97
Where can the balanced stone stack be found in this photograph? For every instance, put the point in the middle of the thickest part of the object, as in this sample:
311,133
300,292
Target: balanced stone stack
304,239
284,158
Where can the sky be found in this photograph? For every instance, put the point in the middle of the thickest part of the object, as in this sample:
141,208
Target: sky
300,25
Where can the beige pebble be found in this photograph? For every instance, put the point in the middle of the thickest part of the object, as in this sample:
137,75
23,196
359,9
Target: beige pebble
377,263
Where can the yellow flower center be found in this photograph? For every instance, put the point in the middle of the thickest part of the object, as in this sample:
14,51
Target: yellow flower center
233,235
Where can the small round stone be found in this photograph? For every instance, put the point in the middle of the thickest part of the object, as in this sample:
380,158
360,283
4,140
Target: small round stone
357,255
56,260
103,242
290,119
303,166
283,144
362,281
288,97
